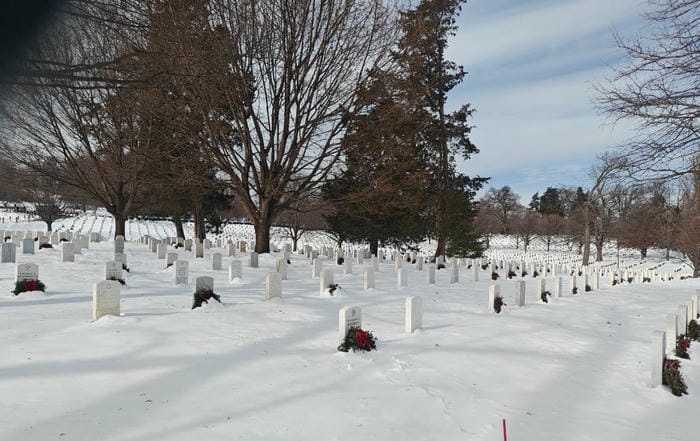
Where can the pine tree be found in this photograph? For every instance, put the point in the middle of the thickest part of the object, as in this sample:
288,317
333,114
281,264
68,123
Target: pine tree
427,77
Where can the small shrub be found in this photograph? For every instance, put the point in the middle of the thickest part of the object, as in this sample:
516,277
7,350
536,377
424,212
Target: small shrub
588,288
494,275
580,273
575,290
682,345
498,303
45,245
340,260
523,274
614,282
630,279
672,377
358,339
28,285
469,266
511,274
332,287
535,274
203,296
545,296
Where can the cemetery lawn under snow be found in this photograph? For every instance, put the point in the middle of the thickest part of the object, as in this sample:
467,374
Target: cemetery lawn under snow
577,368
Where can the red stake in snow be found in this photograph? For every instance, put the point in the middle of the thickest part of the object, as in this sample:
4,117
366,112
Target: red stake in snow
505,434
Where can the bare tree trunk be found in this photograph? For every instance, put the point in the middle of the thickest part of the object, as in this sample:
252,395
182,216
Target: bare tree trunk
599,241
262,235
586,235
199,228
179,230
119,224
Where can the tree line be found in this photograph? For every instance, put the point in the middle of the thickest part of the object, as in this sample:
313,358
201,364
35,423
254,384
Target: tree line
290,112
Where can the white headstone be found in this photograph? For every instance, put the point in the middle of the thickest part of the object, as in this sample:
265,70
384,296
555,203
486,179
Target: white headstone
120,257
419,263
454,272
520,293
281,268
414,314
230,249
369,278
182,268
273,286
204,282
657,357
347,265
475,271
541,286
326,280
188,244
431,274
216,262
397,263
557,287
26,271
402,278
67,252
596,280
94,237
349,317
170,258
8,250
494,291
113,270
253,259
671,333
316,267
375,263
682,317
235,270
105,299
199,250
27,246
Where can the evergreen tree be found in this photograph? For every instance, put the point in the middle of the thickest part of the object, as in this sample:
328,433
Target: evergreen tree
427,77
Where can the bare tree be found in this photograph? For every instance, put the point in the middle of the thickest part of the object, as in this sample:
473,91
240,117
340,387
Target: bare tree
525,224
504,203
549,226
658,90
293,72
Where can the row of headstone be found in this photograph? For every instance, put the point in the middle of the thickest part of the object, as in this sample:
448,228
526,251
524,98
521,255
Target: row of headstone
663,343
351,317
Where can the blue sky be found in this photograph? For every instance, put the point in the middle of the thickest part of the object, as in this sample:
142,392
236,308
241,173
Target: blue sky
531,69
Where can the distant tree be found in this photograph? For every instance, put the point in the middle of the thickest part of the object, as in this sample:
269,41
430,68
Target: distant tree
525,225
535,202
549,227
551,202
504,203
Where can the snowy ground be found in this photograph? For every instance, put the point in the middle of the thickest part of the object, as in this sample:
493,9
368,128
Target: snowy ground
574,369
